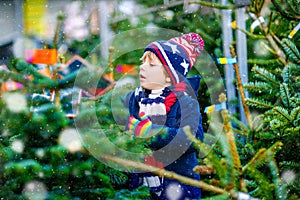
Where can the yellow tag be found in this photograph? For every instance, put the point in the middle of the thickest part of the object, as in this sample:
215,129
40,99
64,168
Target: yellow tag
210,109
233,25
223,60
292,33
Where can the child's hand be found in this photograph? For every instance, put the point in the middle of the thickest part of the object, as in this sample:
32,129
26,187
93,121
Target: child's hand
140,128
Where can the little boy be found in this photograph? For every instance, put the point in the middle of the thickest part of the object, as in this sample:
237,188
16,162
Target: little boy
166,100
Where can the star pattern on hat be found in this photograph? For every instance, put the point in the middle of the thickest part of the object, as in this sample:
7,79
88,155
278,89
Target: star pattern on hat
185,65
173,47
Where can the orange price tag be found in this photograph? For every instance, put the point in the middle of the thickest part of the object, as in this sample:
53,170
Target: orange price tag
41,56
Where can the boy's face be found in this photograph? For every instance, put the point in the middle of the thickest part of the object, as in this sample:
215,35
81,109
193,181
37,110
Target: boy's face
152,73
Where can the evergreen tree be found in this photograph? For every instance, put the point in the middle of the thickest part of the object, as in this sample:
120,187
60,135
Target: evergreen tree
38,162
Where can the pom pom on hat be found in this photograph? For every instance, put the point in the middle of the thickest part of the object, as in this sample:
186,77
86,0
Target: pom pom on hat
178,54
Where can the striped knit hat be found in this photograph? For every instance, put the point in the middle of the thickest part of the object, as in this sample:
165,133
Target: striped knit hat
178,54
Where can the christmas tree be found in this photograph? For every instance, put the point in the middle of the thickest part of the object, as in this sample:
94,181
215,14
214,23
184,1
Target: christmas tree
63,136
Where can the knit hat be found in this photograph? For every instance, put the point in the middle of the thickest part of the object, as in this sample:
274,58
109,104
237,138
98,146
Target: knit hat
178,54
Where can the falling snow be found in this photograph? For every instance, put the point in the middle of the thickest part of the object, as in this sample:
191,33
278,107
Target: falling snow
17,146
70,139
15,102
174,191
40,153
288,176
35,190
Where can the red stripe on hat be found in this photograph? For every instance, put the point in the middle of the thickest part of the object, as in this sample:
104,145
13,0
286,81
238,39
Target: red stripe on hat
162,59
185,50
187,44
191,48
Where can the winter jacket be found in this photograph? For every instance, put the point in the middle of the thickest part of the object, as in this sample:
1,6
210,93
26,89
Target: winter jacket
173,148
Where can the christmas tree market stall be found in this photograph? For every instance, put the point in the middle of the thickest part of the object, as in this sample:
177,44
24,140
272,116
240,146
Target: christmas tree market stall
66,68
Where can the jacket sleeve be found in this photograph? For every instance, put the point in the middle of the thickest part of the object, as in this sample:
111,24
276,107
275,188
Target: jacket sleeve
187,113
127,99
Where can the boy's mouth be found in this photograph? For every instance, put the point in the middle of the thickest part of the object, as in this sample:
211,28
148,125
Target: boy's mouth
142,76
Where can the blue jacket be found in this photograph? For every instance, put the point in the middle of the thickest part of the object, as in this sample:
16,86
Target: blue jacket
173,148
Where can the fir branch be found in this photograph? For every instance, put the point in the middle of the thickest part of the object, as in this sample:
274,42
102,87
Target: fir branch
265,75
239,132
245,129
282,113
275,147
263,61
210,137
290,164
256,6
287,74
294,5
279,54
285,95
229,148
292,131
278,126
60,18
280,188
205,36
285,12
270,21
257,122
256,192
20,78
204,169
256,160
265,136
260,157
259,103
252,35
258,87
164,173
251,183
27,69
40,81
295,116
67,81
217,197
264,188
291,50
212,5
232,146
207,150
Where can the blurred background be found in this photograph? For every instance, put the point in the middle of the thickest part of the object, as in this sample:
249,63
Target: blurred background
251,143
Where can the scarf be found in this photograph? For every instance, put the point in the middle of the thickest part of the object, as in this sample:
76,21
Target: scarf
156,104
152,103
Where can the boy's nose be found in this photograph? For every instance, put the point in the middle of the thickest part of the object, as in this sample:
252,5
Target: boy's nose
143,66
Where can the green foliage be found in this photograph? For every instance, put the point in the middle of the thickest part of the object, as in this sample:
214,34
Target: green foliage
65,174
254,168
282,107
291,50
217,197
287,8
275,92
86,47
256,6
